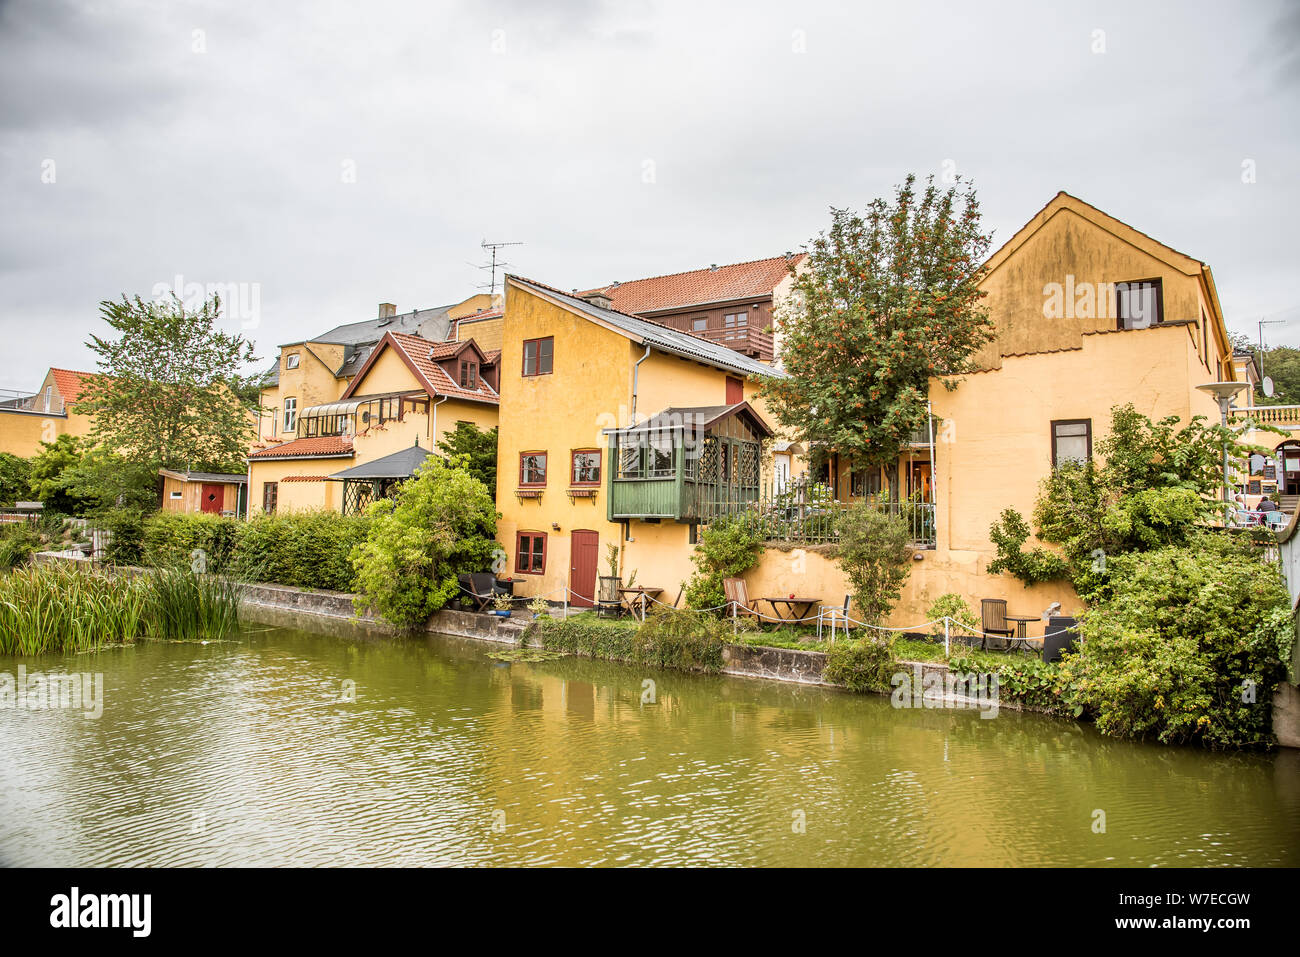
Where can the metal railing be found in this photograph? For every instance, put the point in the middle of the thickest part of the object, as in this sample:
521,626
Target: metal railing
804,513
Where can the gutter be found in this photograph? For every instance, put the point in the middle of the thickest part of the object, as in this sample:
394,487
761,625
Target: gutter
636,373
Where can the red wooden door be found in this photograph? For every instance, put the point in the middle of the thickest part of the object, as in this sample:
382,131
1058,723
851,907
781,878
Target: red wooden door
210,500
584,548
735,391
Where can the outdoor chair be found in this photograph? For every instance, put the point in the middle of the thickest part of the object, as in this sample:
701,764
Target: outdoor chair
993,615
738,602
1060,635
832,614
480,588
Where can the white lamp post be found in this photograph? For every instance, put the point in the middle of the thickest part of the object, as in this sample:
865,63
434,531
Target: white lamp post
1223,393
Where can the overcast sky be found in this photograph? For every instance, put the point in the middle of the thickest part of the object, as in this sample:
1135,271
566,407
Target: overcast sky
330,156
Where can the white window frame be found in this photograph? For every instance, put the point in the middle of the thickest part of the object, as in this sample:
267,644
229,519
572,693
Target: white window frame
291,414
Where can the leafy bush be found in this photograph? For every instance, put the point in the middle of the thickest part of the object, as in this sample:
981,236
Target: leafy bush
1009,535
1049,688
172,539
442,523
15,479
876,555
300,549
670,638
1188,645
17,542
951,605
863,664
125,527
727,549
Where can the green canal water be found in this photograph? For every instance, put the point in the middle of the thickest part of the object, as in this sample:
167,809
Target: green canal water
248,753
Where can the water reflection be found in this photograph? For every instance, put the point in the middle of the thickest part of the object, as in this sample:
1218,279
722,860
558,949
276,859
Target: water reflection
250,752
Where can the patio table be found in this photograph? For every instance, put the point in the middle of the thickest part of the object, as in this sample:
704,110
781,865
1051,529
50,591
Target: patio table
637,599
1022,632
791,604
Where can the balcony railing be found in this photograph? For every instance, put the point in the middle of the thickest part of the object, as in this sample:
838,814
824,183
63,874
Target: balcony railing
13,401
750,342
1277,415
805,514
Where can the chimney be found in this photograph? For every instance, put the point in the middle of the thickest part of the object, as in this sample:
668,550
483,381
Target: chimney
599,300
713,267
387,310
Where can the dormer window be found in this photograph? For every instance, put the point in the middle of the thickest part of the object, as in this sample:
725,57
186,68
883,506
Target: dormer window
291,361
469,375
1138,305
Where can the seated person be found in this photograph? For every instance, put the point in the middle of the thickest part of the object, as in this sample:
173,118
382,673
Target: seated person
1266,504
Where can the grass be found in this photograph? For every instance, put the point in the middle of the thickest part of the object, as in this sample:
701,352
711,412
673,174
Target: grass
61,608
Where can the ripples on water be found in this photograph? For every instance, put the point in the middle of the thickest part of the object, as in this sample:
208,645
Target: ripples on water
247,753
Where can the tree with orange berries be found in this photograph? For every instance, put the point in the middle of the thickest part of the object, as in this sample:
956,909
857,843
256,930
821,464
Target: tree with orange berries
885,302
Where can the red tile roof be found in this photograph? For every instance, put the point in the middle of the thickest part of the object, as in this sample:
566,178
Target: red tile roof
70,383
424,356
307,448
681,290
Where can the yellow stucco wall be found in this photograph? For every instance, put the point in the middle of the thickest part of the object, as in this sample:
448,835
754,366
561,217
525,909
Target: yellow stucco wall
312,383
297,496
486,333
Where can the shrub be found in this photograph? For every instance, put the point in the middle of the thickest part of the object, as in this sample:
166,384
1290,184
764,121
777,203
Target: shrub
1188,646
876,555
670,638
951,605
125,527
17,542
300,549
15,479
441,524
863,664
1009,535
174,539
727,549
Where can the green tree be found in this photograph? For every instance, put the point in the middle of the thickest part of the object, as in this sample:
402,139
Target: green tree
875,552
47,474
15,479
441,524
1282,365
170,392
479,448
888,300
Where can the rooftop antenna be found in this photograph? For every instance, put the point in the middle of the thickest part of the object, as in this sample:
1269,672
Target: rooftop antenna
495,263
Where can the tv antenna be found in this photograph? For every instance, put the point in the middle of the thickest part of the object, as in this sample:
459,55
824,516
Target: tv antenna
495,263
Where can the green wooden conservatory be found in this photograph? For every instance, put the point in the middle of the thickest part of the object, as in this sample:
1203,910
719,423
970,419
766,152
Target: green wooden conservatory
686,464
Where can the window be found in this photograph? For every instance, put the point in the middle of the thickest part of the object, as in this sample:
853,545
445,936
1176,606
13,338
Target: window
176,495
290,414
734,323
291,361
49,396
1071,441
1138,305
586,467
530,553
532,468
699,323
469,375
539,356
270,491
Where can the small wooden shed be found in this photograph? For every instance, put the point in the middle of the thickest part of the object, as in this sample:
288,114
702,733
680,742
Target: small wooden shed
217,493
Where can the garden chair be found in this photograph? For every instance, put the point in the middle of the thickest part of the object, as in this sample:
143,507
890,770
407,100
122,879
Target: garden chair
993,616
832,614
480,588
738,602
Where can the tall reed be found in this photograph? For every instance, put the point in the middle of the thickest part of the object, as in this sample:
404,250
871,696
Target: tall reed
63,608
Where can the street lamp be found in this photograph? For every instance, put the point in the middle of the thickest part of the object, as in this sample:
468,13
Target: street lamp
1223,393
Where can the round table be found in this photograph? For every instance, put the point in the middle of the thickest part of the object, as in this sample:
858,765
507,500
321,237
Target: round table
1022,631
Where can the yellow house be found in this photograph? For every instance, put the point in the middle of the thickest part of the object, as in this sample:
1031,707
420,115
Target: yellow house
1089,314
319,370
408,392
608,425
27,420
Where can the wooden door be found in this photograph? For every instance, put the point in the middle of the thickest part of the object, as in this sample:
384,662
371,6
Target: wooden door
735,390
584,549
211,498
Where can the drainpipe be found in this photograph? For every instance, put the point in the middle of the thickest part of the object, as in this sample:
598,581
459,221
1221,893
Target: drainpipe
433,439
636,372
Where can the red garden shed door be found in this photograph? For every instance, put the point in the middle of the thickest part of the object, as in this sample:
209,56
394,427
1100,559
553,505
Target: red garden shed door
210,500
584,549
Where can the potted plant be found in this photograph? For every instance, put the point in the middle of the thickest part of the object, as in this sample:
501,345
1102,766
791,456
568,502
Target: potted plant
501,606
539,607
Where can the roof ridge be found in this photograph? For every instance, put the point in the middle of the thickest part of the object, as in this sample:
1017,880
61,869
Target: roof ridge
687,272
